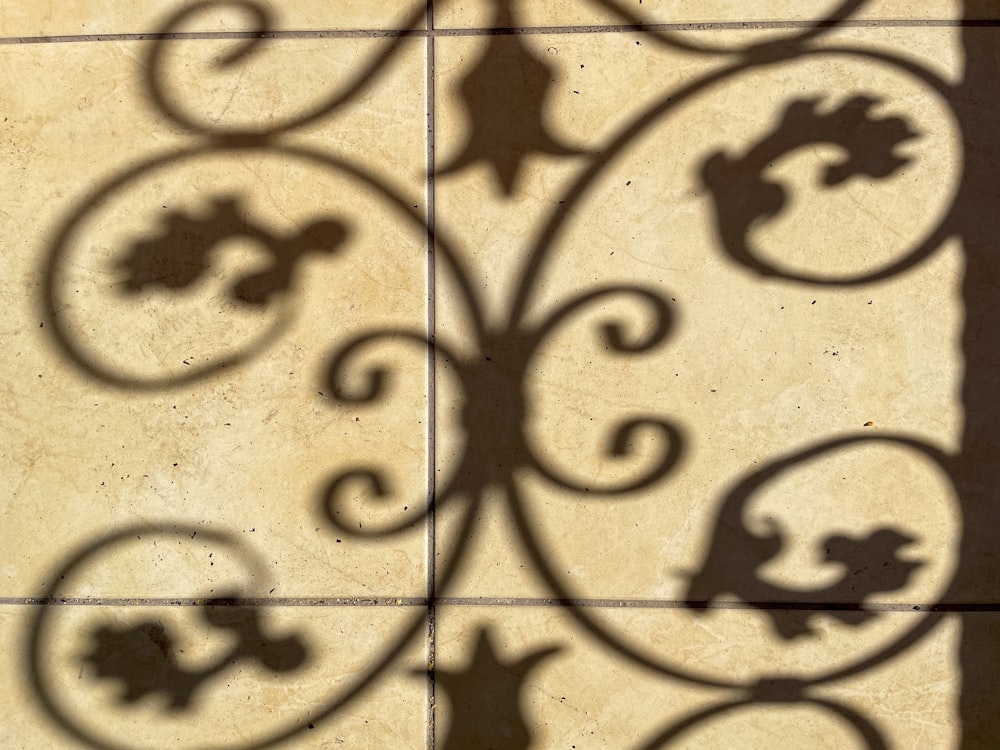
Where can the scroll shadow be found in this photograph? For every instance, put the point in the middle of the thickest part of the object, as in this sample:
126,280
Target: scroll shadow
143,659
496,403
257,40
168,261
178,255
974,220
505,95
138,661
487,702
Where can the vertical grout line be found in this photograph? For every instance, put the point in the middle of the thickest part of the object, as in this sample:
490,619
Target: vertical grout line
431,389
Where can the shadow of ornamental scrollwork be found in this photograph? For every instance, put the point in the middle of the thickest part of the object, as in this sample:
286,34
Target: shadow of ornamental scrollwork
215,263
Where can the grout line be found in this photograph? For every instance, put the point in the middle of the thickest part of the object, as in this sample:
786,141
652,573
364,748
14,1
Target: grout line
430,604
517,30
180,601
211,35
431,104
719,26
738,605
179,36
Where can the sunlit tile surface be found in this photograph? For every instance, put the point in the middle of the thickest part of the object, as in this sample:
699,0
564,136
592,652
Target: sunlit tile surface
89,17
499,375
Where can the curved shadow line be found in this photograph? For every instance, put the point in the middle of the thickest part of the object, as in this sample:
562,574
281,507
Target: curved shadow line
619,448
752,482
375,386
616,340
562,592
931,242
32,655
821,26
60,329
377,377
546,239
865,728
928,619
547,571
263,16
60,247
613,331
378,488
549,234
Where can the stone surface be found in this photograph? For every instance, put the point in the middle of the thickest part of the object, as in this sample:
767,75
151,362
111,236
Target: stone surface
685,328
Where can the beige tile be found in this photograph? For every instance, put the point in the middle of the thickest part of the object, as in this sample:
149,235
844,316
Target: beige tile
682,500
483,13
153,677
198,394
537,673
141,96
745,371
52,18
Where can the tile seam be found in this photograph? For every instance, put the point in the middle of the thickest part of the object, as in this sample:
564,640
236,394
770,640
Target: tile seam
718,26
332,602
431,104
518,30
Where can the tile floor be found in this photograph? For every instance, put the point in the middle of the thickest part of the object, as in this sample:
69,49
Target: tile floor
484,374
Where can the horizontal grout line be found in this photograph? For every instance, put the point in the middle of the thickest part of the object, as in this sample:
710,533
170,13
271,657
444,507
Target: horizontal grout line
738,605
215,35
74,601
517,30
720,26
494,602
